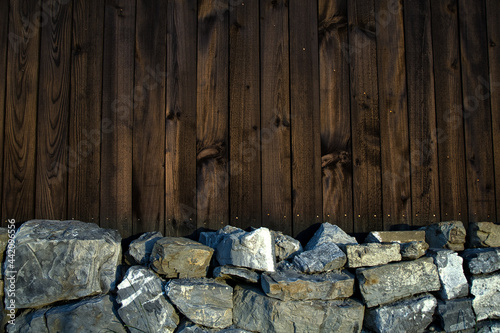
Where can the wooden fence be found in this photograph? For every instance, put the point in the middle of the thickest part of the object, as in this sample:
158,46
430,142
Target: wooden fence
177,115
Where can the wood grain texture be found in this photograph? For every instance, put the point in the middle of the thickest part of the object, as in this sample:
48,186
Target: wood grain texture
422,113
493,13
53,110
18,200
275,116
117,116
148,161
365,117
212,114
336,152
4,33
448,87
244,119
180,136
394,139
476,111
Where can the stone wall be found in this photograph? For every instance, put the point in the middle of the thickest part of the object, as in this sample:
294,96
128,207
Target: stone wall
71,276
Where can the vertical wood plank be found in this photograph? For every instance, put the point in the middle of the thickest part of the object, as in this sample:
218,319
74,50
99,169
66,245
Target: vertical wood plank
84,156
212,115
117,116
493,13
275,116
365,117
53,110
180,139
244,119
422,113
149,117
18,198
4,32
476,111
450,130
305,113
336,152
391,66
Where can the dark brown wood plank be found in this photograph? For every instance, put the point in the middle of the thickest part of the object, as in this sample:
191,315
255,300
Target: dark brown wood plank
493,13
148,189
365,117
180,140
4,32
85,112
18,198
448,87
212,114
394,140
244,120
422,113
335,114
275,116
476,111
305,113
117,112
53,110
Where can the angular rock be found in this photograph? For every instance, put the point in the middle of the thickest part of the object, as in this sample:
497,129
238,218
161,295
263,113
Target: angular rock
323,258
254,250
213,238
391,282
487,326
285,246
329,233
206,302
405,236
236,273
139,250
486,292
456,315
410,315
482,261
484,234
177,257
372,254
254,311
144,307
292,285
451,274
448,235
413,250
188,326
63,260
4,239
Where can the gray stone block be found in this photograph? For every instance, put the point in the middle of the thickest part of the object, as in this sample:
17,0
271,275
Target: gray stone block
456,315
329,233
446,235
323,258
139,250
484,234
482,261
372,254
451,274
236,273
285,246
486,292
405,236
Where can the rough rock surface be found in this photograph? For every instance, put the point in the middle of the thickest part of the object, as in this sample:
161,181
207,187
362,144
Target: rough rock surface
236,273
329,233
144,307
448,235
256,312
177,257
487,326
206,302
486,292
482,261
188,326
396,236
451,274
456,314
139,250
4,239
409,315
285,247
413,250
391,282
372,254
484,234
64,260
323,258
213,238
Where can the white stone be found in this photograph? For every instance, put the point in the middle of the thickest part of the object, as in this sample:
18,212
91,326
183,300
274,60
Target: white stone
486,291
451,274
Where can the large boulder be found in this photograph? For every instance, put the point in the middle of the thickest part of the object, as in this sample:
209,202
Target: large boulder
405,236
256,312
410,315
177,257
456,315
447,235
144,307
486,292
63,260
453,281
484,234
482,261
329,233
139,250
391,282
236,273
206,302
372,254
322,258
285,247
